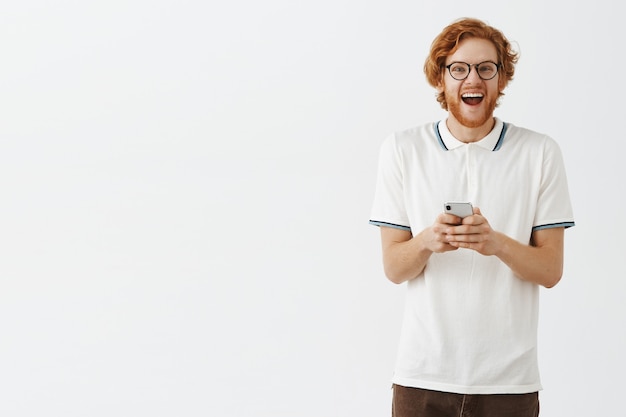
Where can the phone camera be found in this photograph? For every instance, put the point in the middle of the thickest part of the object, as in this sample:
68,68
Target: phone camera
448,207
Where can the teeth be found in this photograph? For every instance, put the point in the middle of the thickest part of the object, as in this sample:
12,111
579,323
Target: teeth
468,95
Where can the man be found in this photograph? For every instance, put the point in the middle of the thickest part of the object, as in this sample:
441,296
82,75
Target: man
468,343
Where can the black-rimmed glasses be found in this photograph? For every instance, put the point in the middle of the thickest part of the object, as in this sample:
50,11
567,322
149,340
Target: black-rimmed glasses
461,70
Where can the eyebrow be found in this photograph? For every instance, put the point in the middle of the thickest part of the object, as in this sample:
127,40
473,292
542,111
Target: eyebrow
480,62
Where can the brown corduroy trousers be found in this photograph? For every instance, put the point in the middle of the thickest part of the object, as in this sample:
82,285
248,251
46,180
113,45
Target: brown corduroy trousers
416,402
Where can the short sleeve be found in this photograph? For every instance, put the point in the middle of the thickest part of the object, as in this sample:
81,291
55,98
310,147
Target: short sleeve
554,208
389,209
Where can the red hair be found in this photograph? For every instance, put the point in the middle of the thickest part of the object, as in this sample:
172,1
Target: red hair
447,42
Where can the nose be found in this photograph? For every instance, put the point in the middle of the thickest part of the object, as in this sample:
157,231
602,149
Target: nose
473,77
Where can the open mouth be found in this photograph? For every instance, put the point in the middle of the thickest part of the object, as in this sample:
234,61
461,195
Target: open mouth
472,98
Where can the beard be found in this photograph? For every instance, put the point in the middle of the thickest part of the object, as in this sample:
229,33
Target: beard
473,120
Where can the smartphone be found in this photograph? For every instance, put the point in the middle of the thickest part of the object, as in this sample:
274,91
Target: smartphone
458,209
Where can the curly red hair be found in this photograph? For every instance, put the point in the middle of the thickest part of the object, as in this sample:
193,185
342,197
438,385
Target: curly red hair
447,42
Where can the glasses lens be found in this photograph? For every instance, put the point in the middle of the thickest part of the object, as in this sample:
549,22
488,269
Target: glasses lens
487,70
459,70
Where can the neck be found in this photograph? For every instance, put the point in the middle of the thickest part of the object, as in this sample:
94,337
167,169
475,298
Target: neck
467,134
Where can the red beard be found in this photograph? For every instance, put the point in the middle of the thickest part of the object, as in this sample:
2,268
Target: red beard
477,119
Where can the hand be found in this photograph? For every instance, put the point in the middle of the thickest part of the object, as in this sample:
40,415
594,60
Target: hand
474,233
434,238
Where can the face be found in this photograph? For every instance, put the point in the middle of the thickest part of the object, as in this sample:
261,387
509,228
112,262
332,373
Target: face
472,101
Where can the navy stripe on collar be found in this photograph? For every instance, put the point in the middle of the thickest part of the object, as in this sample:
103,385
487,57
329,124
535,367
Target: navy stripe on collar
501,138
438,134
445,148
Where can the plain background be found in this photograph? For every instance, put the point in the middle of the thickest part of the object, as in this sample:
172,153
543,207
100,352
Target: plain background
186,187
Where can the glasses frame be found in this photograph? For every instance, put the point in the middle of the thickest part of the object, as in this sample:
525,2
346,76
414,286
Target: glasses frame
469,69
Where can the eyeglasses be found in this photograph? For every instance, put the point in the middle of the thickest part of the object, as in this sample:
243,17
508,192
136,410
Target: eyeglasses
461,70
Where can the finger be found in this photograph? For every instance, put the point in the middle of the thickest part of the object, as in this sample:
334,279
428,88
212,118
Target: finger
463,229
464,245
465,238
474,220
450,219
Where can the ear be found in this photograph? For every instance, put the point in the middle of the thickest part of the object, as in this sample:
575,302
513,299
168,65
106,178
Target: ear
502,83
440,87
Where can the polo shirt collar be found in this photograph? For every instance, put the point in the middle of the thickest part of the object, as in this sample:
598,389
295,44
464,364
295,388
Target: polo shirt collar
491,142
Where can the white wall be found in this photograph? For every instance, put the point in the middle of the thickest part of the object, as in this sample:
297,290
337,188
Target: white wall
185,192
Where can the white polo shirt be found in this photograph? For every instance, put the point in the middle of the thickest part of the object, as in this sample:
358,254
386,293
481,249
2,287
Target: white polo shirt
470,325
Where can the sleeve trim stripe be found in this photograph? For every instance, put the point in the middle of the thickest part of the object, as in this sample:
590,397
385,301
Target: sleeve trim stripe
385,224
553,225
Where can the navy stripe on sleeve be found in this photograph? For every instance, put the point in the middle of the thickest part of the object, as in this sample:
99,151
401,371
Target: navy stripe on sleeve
385,224
554,225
